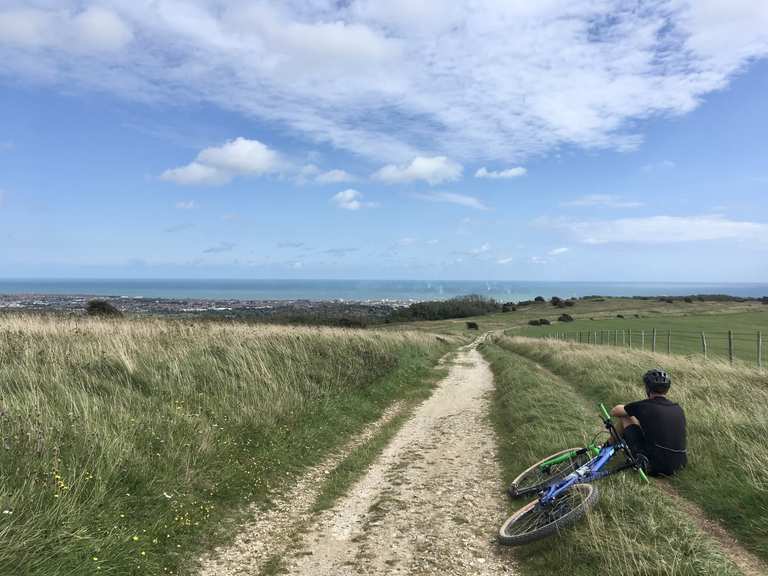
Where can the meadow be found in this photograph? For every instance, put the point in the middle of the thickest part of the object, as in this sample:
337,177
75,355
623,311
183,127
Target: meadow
129,446
546,399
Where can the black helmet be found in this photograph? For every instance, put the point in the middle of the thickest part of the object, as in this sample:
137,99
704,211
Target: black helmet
657,380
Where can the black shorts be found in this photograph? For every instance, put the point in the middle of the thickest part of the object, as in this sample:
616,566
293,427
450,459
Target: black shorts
658,464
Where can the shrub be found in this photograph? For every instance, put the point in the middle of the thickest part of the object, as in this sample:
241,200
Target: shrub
544,322
472,326
569,303
525,302
461,307
619,315
102,308
534,322
508,307
539,299
555,301
688,300
565,318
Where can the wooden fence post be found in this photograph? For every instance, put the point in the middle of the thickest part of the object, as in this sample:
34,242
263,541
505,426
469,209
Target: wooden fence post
630,338
595,337
653,345
642,339
730,346
704,344
623,338
669,341
759,349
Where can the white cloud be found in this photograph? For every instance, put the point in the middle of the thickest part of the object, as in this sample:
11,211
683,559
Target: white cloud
95,29
558,251
452,198
471,80
605,200
656,166
186,205
480,250
666,230
351,200
219,165
219,248
506,260
433,170
538,260
498,174
334,177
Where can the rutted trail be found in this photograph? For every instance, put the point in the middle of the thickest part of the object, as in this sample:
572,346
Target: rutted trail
430,503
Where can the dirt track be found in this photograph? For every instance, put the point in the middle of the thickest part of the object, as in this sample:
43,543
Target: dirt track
429,504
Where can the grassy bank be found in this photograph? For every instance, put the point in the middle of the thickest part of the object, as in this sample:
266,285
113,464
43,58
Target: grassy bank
126,443
728,471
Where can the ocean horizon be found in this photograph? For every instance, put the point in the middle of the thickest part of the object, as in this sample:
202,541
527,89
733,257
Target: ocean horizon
363,290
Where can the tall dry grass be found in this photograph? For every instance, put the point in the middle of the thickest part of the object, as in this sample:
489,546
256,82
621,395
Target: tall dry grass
124,442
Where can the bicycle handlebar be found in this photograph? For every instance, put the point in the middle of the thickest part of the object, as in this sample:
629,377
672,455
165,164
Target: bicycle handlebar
606,416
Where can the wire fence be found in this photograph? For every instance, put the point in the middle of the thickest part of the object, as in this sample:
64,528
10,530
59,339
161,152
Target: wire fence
743,346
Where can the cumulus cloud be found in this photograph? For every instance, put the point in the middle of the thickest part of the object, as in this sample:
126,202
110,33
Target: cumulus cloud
666,230
558,251
186,205
433,170
498,174
453,198
219,165
350,199
334,177
94,29
487,80
604,200
506,260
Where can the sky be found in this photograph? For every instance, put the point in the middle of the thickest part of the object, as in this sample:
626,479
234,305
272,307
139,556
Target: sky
602,140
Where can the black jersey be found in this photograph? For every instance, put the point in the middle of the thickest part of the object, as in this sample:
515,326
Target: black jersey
663,424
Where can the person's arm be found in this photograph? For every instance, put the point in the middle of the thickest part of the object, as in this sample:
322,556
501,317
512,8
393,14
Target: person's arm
619,411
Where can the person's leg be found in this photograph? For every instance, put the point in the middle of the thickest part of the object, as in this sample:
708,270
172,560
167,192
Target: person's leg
625,422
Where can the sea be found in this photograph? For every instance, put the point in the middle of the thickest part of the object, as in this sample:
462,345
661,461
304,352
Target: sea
362,290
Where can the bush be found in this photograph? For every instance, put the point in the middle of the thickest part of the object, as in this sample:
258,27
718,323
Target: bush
539,299
569,303
565,318
525,302
508,307
544,322
102,308
688,300
534,322
461,307
555,301
472,326
619,315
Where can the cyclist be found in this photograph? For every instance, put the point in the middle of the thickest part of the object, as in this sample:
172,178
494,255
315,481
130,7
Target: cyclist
654,428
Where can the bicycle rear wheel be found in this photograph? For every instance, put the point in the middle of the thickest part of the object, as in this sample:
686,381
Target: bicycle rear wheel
534,521
538,476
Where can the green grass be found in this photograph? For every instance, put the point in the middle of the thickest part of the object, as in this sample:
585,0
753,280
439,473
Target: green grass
128,447
685,331
605,309
725,408
634,529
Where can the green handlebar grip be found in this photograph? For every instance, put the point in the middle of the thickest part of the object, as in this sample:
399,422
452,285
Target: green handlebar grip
642,475
605,412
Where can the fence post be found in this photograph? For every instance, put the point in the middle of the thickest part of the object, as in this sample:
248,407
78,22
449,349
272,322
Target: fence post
759,349
601,336
704,344
653,345
595,337
623,338
669,341
642,339
730,346
630,338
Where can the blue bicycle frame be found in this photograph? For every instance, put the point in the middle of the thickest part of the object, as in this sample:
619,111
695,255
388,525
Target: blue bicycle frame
588,472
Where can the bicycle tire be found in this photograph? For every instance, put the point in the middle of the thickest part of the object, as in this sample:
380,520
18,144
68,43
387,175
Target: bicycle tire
514,531
521,486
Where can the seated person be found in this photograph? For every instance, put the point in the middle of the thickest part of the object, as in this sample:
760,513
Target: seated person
654,428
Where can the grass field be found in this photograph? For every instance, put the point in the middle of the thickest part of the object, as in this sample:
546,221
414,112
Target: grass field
547,396
604,310
682,333
126,443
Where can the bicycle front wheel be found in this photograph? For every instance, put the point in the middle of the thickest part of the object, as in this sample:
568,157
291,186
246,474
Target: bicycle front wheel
535,521
541,475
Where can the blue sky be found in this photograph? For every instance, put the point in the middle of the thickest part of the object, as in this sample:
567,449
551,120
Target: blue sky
564,141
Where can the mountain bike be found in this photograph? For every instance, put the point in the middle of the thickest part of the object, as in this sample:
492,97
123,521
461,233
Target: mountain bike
563,483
